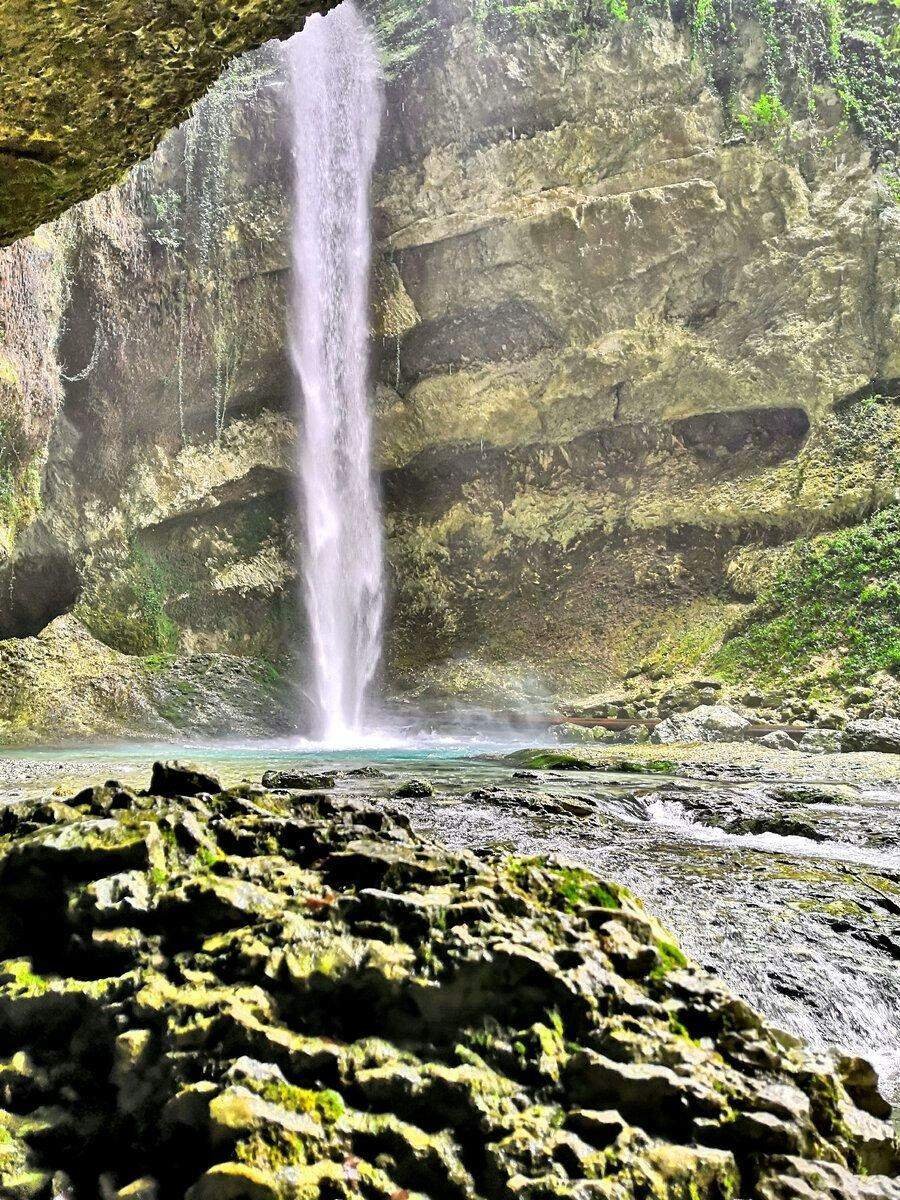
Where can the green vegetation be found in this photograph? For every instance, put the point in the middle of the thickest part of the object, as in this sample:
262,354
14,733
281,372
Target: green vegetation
849,46
425,592
767,113
892,183
127,611
404,28
835,602
576,887
272,676
679,1029
647,766
273,1150
685,637
574,19
670,958
547,760
20,497
18,971
865,427
165,219
206,857
158,662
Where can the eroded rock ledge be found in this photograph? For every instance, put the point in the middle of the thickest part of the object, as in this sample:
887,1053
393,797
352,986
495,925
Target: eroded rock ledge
271,993
87,90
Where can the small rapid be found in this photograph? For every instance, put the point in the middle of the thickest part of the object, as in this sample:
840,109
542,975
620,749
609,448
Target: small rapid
676,817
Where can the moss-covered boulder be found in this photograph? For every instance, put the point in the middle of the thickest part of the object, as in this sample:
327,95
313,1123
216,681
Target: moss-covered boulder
315,1002
67,684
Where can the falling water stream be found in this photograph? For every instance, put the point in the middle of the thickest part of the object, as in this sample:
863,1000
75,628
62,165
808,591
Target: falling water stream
336,103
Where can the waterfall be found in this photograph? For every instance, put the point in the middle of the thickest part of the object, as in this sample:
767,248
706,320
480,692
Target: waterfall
336,100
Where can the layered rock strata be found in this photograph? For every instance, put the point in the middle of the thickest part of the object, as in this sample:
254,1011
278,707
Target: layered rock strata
641,343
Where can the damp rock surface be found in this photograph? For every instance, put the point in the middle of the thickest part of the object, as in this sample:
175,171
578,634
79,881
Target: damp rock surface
240,992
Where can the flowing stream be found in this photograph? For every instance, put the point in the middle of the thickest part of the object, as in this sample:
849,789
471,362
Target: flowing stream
336,102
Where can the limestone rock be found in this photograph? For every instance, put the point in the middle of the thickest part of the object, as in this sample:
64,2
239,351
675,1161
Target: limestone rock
119,110
592,424
821,741
861,1082
175,779
778,740
334,1012
303,780
145,1188
706,723
793,1178
599,445
65,683
880,735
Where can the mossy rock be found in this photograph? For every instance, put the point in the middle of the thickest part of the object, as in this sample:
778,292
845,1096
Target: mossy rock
548,760
316,1012
87,92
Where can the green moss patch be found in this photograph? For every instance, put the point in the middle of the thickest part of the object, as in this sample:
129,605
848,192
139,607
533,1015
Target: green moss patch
128,610
565,888
650,766
326,1106
404,28
847,47
671,958
547,760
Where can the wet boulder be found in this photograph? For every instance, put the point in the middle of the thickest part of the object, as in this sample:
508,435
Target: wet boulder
414,789
861,1082
881,735
706,723
778,740
176,779
303,781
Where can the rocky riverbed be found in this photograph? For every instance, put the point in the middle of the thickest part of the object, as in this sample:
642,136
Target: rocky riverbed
736,847
279,992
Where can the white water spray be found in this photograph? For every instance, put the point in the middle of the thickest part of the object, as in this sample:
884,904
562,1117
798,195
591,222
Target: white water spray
336,99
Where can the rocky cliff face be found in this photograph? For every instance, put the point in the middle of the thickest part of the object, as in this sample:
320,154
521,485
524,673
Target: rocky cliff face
637,339
161,524
649,340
